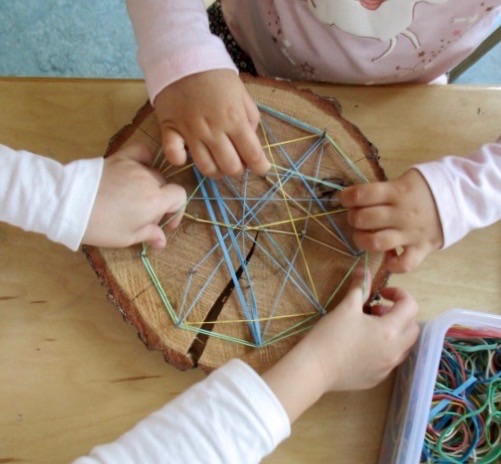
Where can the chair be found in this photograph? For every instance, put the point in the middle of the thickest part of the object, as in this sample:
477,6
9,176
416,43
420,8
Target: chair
488,44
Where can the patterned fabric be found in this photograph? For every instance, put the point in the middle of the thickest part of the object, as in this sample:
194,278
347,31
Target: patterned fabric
218,27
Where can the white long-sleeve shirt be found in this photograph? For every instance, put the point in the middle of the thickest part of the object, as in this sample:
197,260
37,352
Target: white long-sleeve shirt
39,194
230,417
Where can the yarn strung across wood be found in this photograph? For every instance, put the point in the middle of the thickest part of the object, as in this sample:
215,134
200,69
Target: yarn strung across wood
256,260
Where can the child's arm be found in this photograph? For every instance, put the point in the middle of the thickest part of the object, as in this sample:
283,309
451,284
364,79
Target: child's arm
429,207
236,416
199,100
346,350
114,202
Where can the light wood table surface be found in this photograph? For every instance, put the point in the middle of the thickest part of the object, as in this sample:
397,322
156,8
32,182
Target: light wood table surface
73,374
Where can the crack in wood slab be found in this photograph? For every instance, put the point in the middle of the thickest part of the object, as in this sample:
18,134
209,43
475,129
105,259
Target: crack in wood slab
197,347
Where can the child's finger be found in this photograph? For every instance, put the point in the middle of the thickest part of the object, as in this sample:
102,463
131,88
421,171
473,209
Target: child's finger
404,309
360,287
396,294
174,204
151,234
138,152
393,294
247,141
408,260
251,110
249,148
401,316
372,218
380,309
203,160
174,146
379,240
362,195
225,156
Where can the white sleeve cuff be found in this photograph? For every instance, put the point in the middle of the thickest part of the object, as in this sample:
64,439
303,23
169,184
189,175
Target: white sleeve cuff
40,195
78,190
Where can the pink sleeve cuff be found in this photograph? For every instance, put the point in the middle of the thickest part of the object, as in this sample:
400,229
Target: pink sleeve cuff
467,191
169,69
174,41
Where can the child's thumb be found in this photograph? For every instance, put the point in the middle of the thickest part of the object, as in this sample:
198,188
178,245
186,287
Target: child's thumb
174,204
360,287
153,235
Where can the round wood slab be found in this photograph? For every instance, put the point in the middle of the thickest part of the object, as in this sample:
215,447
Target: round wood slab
256,260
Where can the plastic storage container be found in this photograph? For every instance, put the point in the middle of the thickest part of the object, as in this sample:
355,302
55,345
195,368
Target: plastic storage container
409,411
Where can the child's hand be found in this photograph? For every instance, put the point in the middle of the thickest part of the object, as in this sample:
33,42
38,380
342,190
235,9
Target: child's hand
346,350
399,214
131,200
212,115
355,350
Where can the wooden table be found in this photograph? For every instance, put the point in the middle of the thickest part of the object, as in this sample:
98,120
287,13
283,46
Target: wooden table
73,374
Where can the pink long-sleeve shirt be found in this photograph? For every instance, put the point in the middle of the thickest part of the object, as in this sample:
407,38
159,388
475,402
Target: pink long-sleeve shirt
338,41
467,190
